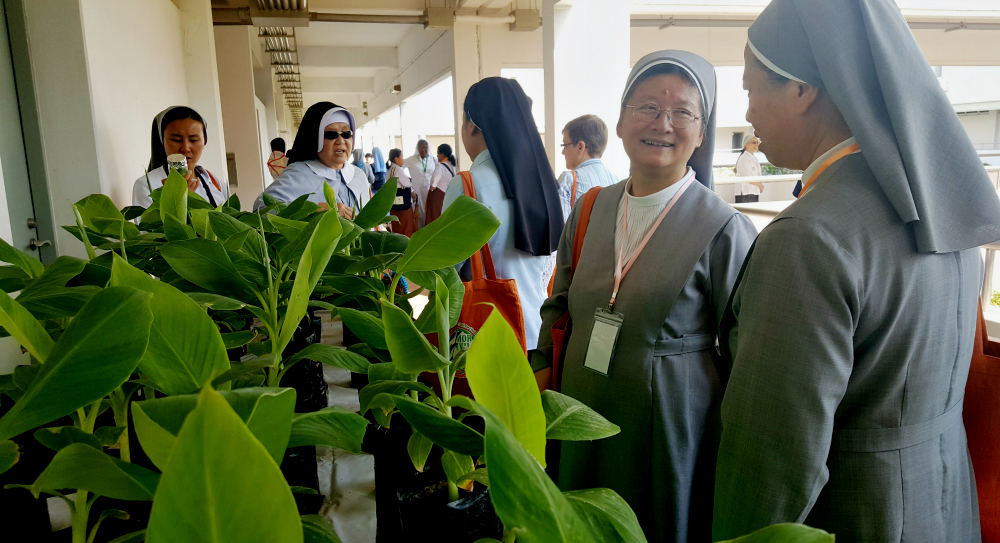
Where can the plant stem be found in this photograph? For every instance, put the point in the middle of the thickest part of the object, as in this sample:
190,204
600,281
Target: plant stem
81,514
452,492
508,535
392,288
445,392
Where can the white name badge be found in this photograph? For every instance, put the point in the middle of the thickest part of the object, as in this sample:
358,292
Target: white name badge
602,340
398,201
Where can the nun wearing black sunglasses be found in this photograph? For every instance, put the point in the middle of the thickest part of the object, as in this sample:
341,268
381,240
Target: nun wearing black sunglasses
322,154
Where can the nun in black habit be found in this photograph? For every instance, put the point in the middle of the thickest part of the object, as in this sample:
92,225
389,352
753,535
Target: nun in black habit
513,178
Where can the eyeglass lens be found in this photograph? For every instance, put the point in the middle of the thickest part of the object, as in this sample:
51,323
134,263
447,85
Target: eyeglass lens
331,135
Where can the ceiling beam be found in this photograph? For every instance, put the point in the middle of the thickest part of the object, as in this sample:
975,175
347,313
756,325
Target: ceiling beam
348,57
337,85
343,100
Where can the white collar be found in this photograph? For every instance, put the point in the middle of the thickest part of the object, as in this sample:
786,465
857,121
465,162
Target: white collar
327,172
807,174
660,197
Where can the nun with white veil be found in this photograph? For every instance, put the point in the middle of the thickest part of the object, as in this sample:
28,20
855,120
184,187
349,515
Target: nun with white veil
322,154
850,331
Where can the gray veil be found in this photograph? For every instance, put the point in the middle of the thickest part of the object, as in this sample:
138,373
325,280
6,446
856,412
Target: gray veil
703,74
863,53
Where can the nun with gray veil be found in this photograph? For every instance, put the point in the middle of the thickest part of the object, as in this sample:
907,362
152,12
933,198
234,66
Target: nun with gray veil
851,327
657,264
321,155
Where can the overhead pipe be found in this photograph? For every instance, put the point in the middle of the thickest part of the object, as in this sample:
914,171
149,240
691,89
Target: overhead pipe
737,23
241,16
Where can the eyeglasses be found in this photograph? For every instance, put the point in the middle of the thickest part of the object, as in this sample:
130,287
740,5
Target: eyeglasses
565,145
678,118
331,135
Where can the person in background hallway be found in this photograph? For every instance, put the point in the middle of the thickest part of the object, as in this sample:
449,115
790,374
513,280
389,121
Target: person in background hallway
277,161
444,172
512,177
584,140
851,328
322,154
368,159
421,167
661,380
178,130
747,165
359,161
379,169
406,222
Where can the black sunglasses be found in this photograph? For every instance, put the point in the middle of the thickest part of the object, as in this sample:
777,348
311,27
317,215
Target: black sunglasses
331,135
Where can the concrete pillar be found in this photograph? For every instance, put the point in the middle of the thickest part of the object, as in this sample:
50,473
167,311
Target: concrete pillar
586,59
201,71
239,114
466,71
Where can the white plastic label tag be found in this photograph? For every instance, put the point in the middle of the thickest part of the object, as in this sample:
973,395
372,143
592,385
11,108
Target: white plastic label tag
602,340
398,201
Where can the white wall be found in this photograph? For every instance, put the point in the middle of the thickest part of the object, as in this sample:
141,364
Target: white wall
136,56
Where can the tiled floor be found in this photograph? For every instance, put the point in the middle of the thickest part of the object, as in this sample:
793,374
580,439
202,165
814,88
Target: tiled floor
346,480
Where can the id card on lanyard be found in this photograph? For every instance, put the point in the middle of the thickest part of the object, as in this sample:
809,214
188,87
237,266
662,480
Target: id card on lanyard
607,322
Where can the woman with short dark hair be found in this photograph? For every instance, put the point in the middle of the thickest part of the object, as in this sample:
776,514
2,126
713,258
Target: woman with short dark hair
444,172
406,219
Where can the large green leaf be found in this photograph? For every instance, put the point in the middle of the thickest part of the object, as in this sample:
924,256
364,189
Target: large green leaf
225,226
332,356
22,260
317,529
390,386
443,430
380,243
53,302
20,324
97,206
267,412
185,349
56,274
173,199
215,301
351,233
13,279
502,381
411,352
332,426
570,420
456,465
287,227
525,498
293,250
221,485
364,325
98,352
201,224
205,263
61,437
9,455
311,265
607,514
455,294
378,207
460,231
785,533
81,466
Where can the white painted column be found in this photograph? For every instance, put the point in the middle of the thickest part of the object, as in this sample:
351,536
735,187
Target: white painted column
466,71
201,69
235,62
586,58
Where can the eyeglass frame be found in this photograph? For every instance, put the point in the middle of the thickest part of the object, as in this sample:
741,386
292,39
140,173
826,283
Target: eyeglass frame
669,112
346,134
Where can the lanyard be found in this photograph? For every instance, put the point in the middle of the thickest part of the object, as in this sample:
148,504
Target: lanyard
826,164
619,272
423,162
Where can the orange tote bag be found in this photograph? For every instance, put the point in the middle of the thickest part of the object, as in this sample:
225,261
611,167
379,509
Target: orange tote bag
982,426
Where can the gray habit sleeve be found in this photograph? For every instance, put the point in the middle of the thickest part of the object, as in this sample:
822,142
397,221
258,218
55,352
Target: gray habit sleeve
793,355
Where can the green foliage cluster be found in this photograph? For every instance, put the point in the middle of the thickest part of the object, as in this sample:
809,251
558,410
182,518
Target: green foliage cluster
147,328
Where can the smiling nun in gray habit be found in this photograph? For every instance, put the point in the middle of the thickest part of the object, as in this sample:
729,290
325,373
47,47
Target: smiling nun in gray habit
322,154
661,385
851,329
